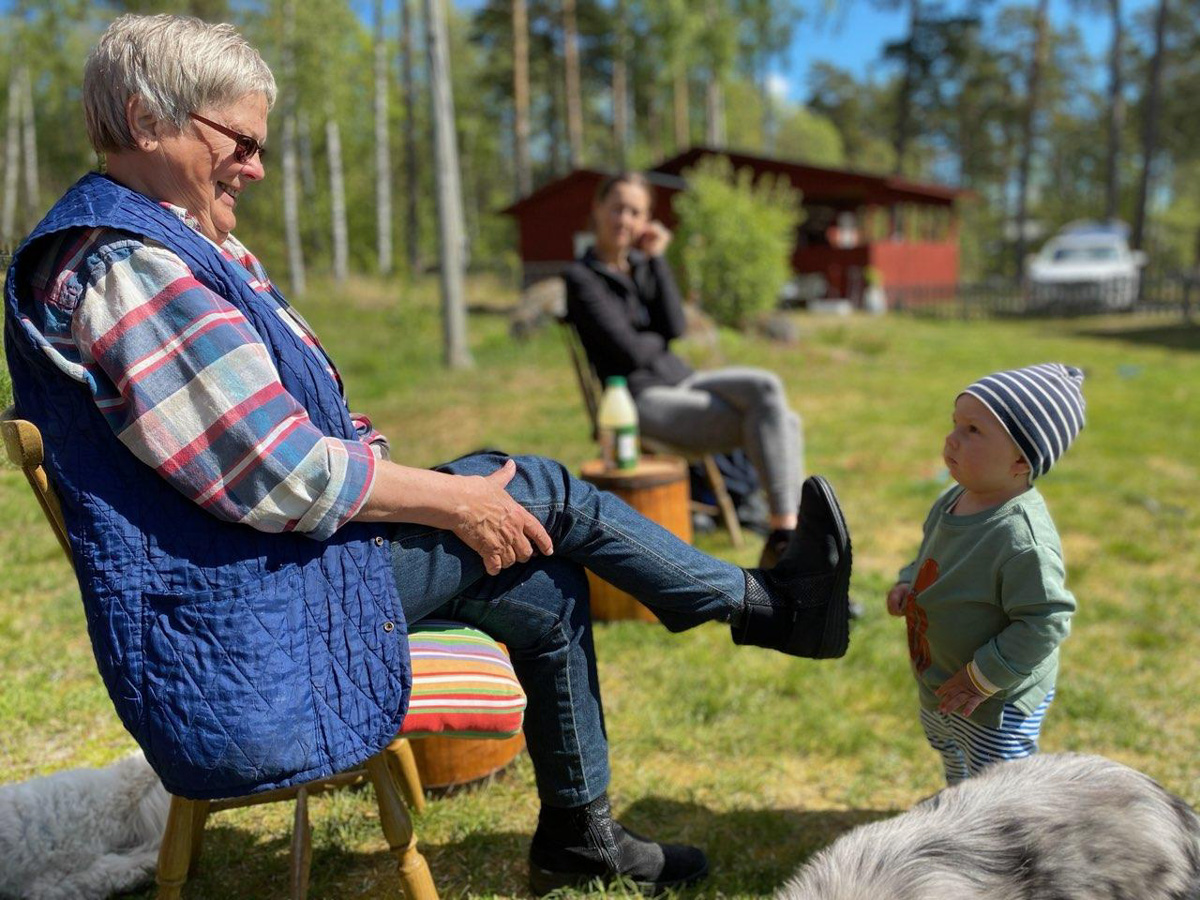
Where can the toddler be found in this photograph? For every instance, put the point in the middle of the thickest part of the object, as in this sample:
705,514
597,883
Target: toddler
985,600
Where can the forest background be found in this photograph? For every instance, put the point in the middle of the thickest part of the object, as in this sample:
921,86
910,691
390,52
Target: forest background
1001,99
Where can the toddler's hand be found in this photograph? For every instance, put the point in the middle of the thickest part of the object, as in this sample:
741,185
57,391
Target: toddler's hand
897,596
959,694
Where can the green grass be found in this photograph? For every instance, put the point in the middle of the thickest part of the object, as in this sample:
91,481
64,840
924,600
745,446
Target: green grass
760,758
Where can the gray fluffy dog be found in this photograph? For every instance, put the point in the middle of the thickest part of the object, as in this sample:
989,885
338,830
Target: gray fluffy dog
1051,827
82,834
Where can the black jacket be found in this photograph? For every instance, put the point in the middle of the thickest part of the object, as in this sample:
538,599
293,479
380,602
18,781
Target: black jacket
625,322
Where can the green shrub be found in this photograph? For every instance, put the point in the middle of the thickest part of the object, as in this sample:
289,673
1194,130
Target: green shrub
736,237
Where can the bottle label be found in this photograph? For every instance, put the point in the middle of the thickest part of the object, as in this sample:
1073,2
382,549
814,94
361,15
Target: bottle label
608,447
627,447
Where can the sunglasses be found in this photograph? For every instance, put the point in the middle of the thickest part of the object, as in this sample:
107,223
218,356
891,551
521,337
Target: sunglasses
246,145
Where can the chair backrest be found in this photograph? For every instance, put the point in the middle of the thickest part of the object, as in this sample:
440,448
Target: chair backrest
23,443
589,382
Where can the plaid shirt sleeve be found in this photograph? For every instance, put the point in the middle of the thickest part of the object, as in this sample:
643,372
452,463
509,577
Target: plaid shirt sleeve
195,395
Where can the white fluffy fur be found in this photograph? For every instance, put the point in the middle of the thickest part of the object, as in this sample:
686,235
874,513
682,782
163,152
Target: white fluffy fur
84,834
1051,827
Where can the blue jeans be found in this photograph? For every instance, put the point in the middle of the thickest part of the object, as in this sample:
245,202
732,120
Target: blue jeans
539,609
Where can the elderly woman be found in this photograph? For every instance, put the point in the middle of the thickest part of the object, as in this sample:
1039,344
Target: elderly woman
248,556
623,300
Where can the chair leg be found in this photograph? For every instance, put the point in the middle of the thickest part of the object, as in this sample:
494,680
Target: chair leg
301,847
724,501
414,874
174,856
404,766
199,819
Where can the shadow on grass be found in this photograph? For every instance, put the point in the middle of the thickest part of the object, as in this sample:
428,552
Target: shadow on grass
1174,336
751,852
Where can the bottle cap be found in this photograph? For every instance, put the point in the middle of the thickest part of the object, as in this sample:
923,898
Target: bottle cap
615,381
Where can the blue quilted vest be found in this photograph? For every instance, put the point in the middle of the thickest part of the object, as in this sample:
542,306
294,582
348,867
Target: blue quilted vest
239,660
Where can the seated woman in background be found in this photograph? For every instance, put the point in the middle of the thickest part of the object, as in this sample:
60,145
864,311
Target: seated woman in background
623,300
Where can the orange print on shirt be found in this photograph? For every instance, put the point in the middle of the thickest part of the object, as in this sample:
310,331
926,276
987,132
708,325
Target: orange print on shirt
915,618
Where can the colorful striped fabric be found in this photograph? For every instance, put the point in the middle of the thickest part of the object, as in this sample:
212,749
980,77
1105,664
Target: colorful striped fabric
463,684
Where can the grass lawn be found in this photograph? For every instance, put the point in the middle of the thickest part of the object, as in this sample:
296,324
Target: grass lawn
759,758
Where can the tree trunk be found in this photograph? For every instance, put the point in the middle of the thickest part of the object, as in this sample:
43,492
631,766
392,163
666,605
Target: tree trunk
714,92
383,156
554,125
1150,126
412,195
1116,114
1029,131
904,101
12,151
574,97
308,170
449,193
682,129
33,202
620,89
768,110
291,198
714,105
337,196
520,29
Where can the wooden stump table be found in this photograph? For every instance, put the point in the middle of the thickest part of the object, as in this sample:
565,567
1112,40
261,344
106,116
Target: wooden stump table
445,762
658,488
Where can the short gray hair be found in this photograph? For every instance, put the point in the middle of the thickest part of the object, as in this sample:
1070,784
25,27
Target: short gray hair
176,64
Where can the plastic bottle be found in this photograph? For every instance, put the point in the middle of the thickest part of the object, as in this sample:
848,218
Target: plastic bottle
618,425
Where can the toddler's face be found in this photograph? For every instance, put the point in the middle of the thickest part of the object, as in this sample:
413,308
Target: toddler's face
978,451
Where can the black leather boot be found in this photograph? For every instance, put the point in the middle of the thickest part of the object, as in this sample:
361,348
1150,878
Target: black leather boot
584,844
801,606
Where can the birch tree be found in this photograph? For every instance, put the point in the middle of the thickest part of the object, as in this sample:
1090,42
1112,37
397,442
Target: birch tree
620,85
337,195
572,85
520,43
12,151
383,156
449,191
291,193
412,191
33,203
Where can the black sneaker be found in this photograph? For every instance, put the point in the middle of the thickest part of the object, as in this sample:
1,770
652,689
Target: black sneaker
801,606
585,845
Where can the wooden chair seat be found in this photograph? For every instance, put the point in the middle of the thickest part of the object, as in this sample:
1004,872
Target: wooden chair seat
393,772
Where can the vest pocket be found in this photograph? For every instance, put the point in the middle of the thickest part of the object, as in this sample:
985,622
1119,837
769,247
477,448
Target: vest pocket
228,687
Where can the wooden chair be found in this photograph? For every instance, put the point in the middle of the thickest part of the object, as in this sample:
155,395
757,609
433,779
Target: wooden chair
393,772
591,389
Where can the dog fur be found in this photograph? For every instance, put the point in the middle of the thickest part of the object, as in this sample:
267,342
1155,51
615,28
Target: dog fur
1050,827
83,834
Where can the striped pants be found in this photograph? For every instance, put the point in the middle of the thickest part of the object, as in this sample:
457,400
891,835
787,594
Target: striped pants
967,747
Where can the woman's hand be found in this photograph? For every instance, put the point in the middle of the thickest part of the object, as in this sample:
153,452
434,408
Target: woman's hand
959,694
897,597
488,520
654,239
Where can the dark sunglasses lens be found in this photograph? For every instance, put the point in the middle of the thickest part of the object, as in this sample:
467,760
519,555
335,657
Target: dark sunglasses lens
245,149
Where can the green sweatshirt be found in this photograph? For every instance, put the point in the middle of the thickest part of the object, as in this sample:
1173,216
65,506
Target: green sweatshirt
989,587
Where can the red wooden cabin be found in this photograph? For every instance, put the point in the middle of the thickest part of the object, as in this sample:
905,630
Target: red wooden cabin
906,231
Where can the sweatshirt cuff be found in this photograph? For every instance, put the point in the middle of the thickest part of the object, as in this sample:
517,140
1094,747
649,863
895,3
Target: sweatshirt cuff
993,670
982,684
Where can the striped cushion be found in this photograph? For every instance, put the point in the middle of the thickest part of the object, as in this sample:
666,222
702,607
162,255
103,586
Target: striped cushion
463,684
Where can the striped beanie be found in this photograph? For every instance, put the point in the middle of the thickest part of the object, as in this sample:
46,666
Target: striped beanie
1041,408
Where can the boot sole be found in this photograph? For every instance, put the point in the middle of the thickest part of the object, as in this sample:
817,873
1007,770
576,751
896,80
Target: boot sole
543,881
836,636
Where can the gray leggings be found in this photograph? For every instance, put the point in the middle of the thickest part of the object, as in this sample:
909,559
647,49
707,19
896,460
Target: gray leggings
720,410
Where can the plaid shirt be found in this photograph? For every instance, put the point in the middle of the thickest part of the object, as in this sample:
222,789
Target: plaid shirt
188,386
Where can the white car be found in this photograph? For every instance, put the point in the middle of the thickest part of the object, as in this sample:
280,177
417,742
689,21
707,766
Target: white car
1086,267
